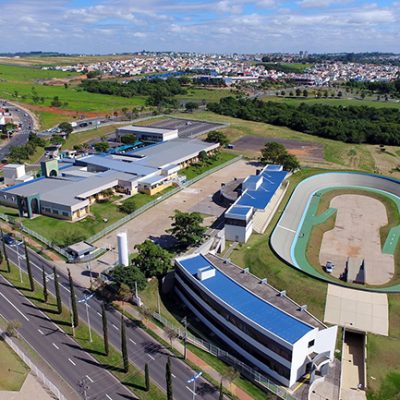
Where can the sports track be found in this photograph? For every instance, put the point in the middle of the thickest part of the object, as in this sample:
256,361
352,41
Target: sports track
293,223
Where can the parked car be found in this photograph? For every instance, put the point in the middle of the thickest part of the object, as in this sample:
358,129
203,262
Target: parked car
8,239
329,267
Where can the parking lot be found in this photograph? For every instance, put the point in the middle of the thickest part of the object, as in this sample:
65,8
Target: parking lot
187,127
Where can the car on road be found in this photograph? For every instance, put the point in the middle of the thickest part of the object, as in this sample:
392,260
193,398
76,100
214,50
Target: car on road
329,267
8,239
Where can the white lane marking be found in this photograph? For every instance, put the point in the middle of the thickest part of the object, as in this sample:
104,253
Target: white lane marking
173,375
108,397
8,301
41,332
151,357
71,361
89,378
116,327
64,288
286,229
55,346
190,390
98,314
132,341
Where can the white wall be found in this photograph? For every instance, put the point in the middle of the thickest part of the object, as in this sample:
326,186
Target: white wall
238,233
326,341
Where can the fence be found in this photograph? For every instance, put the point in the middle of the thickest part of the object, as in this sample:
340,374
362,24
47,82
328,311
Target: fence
240,366
35,370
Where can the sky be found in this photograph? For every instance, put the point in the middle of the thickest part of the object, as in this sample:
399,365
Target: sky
221,26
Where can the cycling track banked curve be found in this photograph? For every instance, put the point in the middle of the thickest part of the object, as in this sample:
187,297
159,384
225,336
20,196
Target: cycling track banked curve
288,230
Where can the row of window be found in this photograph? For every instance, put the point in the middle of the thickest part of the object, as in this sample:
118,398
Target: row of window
54,211
235,222
271,363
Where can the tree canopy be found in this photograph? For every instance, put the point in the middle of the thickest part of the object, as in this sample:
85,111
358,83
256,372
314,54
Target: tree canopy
128,276
352,124
187,228
276,153
217,137
151,259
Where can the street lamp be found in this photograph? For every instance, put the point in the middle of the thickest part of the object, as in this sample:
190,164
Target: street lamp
194,379
184,321
17,244
85,300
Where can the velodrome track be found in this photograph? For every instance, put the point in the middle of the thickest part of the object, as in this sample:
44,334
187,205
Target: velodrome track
286,232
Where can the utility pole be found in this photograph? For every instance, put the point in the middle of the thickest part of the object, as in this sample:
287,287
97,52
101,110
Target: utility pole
184,321
86,301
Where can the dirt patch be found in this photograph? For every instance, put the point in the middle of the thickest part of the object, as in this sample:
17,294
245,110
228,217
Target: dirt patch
357,234
304,150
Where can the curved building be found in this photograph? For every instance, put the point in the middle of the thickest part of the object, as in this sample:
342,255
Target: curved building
265,328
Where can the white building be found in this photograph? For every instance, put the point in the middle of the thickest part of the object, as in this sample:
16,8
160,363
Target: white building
15,174
148,133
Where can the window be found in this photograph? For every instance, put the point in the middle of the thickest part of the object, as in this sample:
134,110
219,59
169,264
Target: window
311,344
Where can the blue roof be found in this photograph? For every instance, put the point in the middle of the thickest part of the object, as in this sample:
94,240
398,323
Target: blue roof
273,167
252,179
261,197
248,304
239,210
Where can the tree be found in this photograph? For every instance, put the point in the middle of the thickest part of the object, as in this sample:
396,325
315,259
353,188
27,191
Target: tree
298,92
57,290
191,105
305,93
217,137
74,308
44,284
146,377
5,252
187,228
101,147
152,259
128,206
168,379
221,391
56,102
12,328
231,374
128,276
271,152
203,156
128,139
289,162
124,348
66,127
105,329
29,269
57,140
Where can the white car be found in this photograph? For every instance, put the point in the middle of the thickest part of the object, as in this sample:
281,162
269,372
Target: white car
329,267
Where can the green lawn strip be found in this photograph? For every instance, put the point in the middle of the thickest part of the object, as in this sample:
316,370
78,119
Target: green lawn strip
48,119
250,388
133,379
306,237
197,169
207,95
13,371
29,74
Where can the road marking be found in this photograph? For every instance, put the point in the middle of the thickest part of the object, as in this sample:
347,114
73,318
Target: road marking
98,314
41,332
151,357
286,229
90,379
302,382
173,375
116,327
71,361
55,346
65,288
190,390
8,301
132,341
108,397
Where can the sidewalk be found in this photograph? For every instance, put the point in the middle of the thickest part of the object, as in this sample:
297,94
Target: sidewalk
178,346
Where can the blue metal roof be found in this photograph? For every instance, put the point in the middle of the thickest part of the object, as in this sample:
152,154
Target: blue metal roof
239,210
261,197
248,304
273,167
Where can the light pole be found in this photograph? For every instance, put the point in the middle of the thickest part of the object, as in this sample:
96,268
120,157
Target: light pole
194,379
86,300
184,321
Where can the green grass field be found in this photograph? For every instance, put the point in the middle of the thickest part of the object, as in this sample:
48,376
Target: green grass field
29,74
209,95
334,102
13,371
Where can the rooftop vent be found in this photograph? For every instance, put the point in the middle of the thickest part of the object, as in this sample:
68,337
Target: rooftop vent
282,293
205,273
245,271
264,281
303,307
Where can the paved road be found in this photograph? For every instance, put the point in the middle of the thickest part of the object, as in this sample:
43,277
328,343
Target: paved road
19,138
287,229
142,347
59,349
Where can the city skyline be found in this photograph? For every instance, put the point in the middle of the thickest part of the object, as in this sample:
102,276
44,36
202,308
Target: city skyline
105,26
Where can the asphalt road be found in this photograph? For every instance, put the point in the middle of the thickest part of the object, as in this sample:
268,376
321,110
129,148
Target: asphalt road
142,347
19,138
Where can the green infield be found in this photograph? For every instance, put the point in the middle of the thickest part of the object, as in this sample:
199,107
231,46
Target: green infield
307,246
30,74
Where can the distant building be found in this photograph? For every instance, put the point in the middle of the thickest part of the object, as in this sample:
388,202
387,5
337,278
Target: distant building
148,133
15,174
258,323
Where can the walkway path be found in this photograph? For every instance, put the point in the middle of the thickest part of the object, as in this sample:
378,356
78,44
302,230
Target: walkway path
31,389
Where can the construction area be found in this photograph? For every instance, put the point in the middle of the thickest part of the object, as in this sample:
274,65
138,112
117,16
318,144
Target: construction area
354,245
